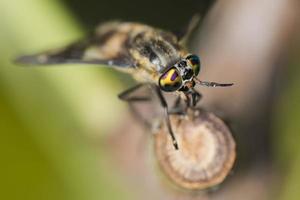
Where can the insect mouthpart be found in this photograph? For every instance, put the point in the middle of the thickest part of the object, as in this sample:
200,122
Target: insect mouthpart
187,85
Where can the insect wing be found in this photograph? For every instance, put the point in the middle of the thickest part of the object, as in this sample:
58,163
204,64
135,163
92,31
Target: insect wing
106,46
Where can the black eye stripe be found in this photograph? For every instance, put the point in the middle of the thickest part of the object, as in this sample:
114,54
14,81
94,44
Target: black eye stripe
177,84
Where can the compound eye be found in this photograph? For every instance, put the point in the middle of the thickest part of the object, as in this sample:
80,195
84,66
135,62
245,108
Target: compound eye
195,63
170,81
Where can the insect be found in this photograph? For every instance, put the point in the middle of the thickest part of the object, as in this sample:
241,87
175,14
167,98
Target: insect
154,57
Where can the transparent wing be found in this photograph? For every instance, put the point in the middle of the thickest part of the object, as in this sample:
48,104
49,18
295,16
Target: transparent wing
106,46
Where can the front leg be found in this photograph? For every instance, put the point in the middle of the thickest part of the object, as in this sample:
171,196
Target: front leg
177,108
166,113
196,97
192,98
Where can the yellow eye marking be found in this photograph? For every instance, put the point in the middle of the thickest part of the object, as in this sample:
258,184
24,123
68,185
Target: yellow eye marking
170,77
170,80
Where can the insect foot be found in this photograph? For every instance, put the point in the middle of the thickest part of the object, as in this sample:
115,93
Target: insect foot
206,154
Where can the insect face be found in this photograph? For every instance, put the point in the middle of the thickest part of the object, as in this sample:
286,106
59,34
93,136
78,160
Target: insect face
180,76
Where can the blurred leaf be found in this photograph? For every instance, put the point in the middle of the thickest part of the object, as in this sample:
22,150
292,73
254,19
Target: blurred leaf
47,113
287,129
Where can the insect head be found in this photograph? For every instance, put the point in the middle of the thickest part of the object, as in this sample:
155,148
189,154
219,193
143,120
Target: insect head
180,76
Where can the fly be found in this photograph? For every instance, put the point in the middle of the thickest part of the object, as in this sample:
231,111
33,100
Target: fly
154,57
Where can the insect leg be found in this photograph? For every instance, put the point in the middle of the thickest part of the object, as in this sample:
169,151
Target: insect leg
125,96
176,108
177,102
196,96
192,98
187,100
167,118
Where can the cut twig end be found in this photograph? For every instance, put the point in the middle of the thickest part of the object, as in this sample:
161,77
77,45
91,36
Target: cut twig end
206,150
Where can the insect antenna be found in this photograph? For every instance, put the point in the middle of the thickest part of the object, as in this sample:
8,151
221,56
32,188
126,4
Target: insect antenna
212,84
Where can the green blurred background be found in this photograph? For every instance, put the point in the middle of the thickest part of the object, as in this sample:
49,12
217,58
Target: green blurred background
49,115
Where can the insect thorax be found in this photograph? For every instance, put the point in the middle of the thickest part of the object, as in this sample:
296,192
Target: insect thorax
153,50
